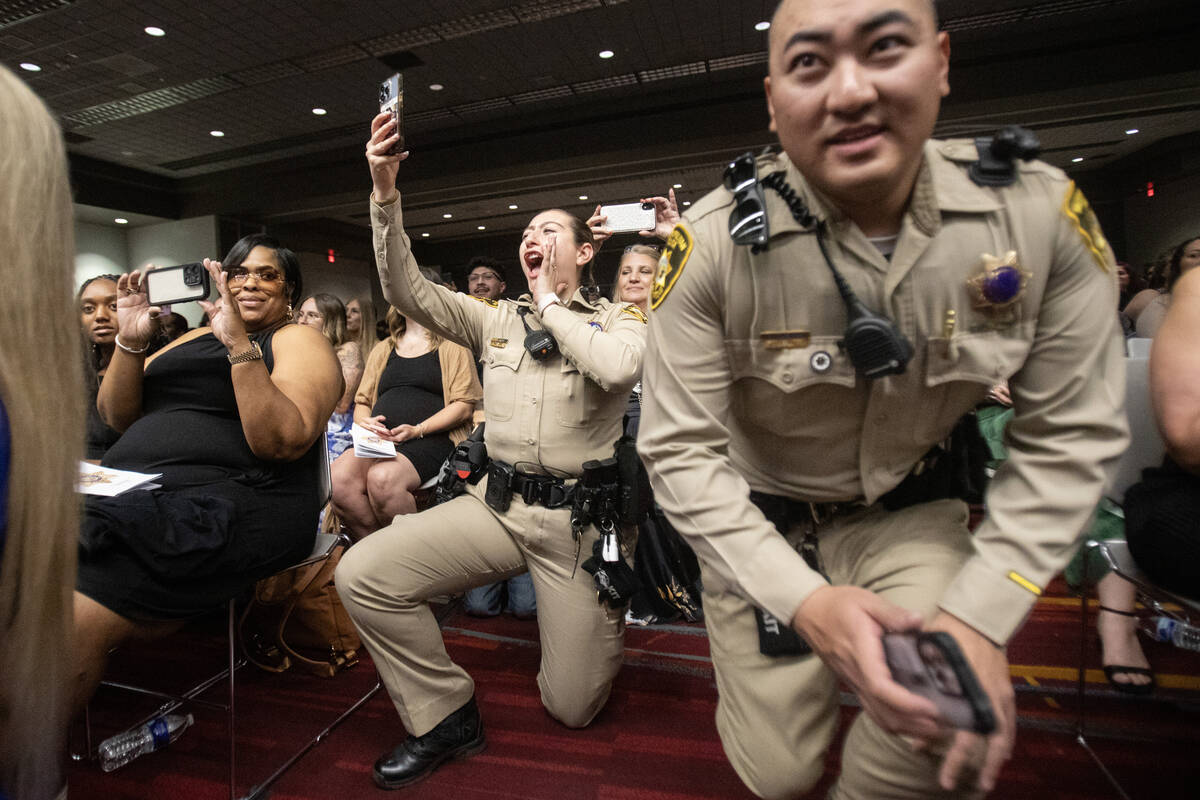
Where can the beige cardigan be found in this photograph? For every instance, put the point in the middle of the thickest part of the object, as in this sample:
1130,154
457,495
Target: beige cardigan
460,381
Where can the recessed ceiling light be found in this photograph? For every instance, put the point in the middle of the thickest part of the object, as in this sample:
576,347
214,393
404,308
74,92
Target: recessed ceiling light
607,53
1129,132
687,202
29,66
483,227
447,216
678,186
320,112
512,206
217,134
1077,159
583,197
126,152
762,26
121,221
436,87
424,235
153,31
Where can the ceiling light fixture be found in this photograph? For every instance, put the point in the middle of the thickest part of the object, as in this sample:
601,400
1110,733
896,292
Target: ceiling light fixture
1077,159
447,216
583,197
1129,132
678,186
154,31
320,112
512,206
424,235
217,134
483,227
436,87
687,202
29,66
762,26
607,53
121,221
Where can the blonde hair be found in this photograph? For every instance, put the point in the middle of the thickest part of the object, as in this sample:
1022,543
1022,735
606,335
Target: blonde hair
367,338
397,323
633,249
37,577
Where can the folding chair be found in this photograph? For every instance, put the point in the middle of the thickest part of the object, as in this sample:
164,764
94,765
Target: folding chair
323,548
1146,449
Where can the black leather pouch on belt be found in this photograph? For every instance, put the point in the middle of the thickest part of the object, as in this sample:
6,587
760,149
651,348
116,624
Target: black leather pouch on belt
776,637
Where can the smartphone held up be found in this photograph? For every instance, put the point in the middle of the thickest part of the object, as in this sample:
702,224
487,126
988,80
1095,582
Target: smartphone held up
628,217
178,284
391,101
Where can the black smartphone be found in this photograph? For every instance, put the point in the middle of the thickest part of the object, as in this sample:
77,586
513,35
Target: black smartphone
391,100
629,217
930,663
178,284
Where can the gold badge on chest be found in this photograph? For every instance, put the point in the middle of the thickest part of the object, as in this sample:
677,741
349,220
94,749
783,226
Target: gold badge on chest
785,340
998,287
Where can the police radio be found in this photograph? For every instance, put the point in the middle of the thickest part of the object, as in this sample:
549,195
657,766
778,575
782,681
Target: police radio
540,343
875,345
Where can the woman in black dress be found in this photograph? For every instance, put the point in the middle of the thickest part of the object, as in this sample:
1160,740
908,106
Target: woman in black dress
419,392
231,415
98,316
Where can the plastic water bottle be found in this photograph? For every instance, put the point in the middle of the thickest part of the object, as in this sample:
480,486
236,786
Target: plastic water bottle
117,751
1177,633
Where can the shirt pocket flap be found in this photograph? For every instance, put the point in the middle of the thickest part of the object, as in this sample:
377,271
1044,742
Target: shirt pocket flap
791,368
986,358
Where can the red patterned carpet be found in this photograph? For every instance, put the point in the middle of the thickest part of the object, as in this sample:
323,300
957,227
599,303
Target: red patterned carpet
656,739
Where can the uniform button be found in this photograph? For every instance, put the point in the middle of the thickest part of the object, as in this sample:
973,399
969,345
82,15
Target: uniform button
534,401
530,441
787,377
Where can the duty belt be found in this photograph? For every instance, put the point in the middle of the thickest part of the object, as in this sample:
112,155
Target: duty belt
544,489
783,512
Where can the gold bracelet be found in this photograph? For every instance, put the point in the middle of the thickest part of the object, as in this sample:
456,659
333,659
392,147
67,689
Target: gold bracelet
127,348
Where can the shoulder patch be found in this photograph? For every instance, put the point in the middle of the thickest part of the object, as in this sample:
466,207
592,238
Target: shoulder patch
484,300
1079,211
674,258
636,313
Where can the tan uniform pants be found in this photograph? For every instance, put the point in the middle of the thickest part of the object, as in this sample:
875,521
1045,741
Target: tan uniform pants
777,716
386,579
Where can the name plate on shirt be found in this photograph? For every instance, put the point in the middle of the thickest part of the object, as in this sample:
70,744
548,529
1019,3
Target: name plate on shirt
784,340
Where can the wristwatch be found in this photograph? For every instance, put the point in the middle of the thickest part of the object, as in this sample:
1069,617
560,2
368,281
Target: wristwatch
253,354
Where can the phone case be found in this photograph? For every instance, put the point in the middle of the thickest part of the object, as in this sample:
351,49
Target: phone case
629,217
179,284
391,100
930,664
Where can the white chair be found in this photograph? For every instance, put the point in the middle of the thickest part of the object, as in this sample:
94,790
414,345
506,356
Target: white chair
1146,449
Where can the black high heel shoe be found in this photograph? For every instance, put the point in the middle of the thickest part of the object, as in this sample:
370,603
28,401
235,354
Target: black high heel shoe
1110,670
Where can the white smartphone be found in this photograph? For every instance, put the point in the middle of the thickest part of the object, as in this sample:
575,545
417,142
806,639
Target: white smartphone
629,217
178,284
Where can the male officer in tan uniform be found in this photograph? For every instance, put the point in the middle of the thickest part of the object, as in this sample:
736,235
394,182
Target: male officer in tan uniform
546,417
747,388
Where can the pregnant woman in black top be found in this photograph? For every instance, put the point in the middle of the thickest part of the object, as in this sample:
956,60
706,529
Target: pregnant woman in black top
232,417
418,392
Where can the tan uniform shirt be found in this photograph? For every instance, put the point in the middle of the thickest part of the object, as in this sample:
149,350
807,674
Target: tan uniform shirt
559,412
730,406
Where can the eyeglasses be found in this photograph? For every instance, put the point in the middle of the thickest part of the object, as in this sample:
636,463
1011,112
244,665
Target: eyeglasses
748,220
237,276
479,276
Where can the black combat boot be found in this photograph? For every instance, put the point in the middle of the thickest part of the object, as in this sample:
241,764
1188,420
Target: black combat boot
457,736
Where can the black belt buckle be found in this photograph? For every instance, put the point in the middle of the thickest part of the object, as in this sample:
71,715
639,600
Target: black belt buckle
530,489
